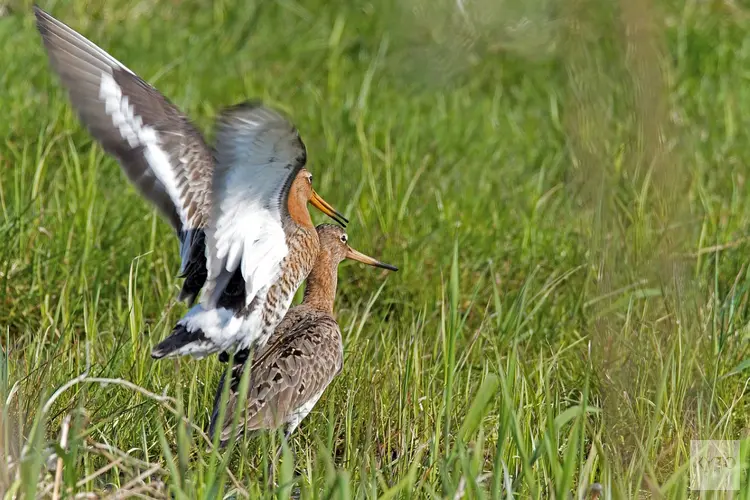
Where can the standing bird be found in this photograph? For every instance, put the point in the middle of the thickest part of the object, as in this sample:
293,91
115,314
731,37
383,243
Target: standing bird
305,353
246,237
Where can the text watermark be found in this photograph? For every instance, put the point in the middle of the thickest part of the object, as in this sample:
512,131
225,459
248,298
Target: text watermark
715,465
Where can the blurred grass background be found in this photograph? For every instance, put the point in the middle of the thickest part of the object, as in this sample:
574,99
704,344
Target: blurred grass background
561,182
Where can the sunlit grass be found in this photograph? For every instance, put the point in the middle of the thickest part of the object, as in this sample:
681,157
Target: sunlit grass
563,187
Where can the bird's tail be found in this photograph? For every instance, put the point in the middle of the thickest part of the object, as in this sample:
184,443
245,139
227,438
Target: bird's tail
178,341
199,333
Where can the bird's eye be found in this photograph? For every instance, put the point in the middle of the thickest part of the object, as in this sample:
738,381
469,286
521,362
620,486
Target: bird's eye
309,178
344,238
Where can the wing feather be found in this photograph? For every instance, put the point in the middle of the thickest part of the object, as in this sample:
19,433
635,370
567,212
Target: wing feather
158,148
258,154
294,368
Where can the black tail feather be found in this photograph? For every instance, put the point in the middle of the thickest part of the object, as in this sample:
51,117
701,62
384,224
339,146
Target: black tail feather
195,272
179,337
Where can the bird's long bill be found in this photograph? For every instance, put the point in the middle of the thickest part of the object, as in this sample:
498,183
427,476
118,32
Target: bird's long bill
365,259
327,209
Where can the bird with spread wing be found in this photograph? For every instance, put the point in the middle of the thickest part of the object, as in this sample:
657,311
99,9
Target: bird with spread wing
247,241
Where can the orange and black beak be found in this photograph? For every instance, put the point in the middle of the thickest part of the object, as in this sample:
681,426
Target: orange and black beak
327,209
364,259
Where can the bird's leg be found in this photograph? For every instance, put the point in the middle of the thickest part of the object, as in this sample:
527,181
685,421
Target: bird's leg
269,476
287,433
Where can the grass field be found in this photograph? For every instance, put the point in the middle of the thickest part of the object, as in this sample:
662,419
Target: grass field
563,184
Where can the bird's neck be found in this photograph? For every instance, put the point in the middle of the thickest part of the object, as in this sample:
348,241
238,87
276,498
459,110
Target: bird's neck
297,203
320,291
299,212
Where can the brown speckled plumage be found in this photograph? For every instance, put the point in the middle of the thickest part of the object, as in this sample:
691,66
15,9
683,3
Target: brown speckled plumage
304,244
291,370
303,355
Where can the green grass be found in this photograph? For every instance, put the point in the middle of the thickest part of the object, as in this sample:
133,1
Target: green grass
564,186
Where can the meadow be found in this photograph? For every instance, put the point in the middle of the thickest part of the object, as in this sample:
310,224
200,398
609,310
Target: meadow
562,183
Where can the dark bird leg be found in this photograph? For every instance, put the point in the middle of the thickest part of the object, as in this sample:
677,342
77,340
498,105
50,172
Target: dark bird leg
287,433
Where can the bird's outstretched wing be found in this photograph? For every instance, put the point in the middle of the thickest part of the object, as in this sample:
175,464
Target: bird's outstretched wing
258,154
158,148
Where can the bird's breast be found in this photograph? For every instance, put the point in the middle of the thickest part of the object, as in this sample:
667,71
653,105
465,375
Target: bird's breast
303,245
303,248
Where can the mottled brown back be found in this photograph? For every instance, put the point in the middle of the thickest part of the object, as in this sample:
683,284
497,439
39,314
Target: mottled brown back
299,361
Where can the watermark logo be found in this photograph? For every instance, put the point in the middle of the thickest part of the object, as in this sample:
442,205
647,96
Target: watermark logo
715,465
